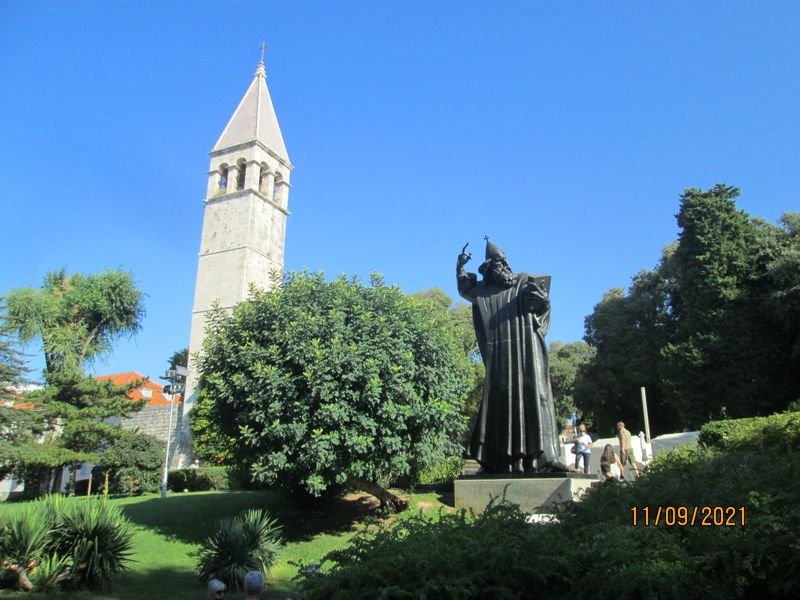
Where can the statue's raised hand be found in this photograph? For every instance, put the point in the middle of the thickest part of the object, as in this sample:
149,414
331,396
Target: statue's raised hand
464,257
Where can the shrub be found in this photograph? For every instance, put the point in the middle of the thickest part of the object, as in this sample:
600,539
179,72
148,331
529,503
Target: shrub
95,534
133,464
247,542
201,479
83,542
443,472
780,431
23,540
51,573
594,546
319,386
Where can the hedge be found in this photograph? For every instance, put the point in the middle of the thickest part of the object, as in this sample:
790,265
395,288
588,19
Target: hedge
201,479
780,432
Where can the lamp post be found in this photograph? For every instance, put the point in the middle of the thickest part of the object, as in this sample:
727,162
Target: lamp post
174,376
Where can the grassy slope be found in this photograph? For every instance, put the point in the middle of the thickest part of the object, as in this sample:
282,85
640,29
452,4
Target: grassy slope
169,532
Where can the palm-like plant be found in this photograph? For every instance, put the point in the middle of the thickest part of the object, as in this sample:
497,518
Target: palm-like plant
98,538
247,542
52,571
22,541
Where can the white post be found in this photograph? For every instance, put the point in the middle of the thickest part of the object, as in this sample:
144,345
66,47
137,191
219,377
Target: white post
646,418
166,458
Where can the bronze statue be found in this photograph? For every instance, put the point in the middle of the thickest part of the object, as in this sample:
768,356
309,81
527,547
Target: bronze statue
515,430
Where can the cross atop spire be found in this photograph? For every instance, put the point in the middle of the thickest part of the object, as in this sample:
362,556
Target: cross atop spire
254,118
261,71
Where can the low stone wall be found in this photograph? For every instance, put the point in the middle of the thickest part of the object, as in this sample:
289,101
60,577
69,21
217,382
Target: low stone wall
533,493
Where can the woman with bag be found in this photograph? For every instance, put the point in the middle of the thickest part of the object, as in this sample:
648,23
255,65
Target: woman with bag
582,446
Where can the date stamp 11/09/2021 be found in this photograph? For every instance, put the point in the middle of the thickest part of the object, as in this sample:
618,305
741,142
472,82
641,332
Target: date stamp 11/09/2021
688,516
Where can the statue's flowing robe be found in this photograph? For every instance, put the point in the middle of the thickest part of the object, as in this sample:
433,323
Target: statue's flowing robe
515,430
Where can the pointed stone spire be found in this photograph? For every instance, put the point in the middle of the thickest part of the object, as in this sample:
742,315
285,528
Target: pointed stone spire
255,120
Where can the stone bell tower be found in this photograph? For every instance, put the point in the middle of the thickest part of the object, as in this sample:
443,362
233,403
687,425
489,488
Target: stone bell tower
244,221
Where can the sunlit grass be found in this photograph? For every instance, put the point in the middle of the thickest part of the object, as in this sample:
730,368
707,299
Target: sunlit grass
169,532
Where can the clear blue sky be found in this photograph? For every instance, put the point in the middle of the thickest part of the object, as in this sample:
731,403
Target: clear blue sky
565,131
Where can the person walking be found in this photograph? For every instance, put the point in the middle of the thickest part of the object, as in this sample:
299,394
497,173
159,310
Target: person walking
626,449
583,444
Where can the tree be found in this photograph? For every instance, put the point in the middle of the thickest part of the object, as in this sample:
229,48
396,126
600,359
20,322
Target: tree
12,362
566,360
458,320
627,332
325,385
15,425
133,464
727,356
76,318
179,358
713,331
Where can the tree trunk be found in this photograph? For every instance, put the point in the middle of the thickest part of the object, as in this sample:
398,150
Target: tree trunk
22,576
73,479
388,500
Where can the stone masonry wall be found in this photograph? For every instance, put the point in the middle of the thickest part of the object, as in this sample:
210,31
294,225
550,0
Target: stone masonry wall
154,420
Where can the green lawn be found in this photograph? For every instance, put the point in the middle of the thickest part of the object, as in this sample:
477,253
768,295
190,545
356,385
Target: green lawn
168,532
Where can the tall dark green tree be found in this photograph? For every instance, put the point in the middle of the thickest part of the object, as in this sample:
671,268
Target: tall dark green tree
325,385
726,357
712,331
627,332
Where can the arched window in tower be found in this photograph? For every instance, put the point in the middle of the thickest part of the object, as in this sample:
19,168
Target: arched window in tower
277,188
263,179
241,175
223,177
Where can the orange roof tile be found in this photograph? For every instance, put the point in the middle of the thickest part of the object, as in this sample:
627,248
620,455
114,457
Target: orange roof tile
157,396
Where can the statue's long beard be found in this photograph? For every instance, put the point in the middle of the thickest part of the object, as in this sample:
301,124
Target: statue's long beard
503,277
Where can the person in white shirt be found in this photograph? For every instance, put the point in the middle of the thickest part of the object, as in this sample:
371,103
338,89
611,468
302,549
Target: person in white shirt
583,444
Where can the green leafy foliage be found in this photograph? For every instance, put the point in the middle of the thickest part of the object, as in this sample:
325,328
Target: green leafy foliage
78,410
52,572
457,319
133,463
179,358
201,479
566,360
594,545
781,432
321,384
97,536
12,361
211,442
444,472
77,318
713,331
249,541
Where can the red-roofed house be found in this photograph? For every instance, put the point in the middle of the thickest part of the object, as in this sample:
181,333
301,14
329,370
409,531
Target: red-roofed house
149,389
154,418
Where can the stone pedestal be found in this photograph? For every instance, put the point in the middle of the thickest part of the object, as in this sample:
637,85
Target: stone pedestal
533,492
